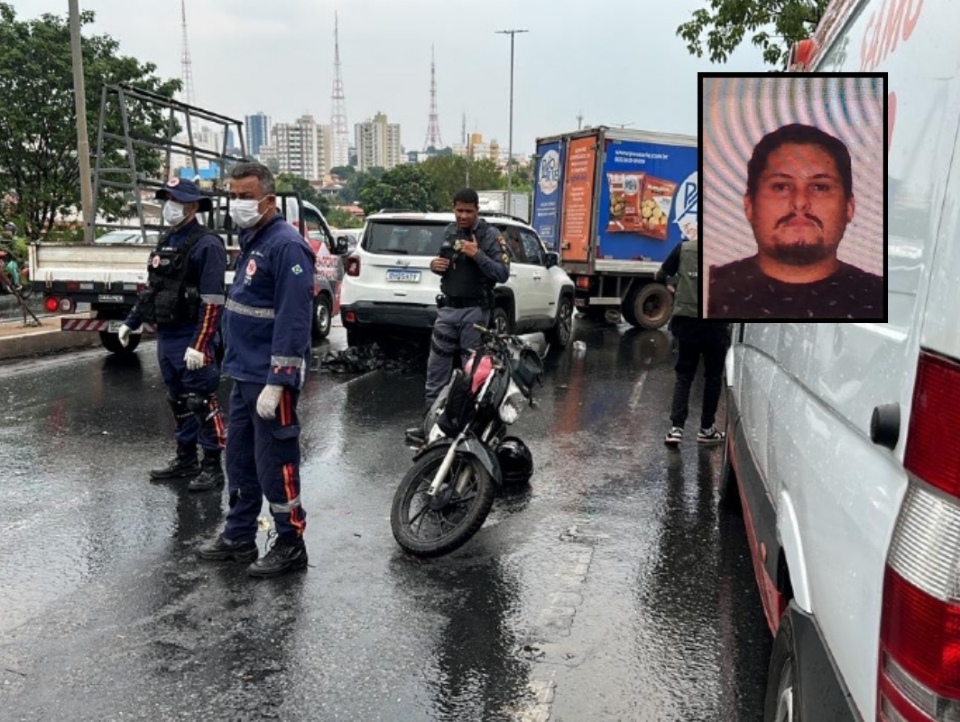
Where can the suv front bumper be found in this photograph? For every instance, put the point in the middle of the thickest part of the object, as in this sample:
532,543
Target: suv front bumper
403,315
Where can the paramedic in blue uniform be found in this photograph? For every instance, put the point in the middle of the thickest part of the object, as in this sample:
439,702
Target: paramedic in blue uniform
473,259
184,298
266,328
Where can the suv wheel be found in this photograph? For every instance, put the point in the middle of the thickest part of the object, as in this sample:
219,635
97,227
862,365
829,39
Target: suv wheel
562,329
500,321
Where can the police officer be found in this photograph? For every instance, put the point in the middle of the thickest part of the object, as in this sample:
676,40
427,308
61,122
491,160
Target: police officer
267,334
184,298
473,259
695,338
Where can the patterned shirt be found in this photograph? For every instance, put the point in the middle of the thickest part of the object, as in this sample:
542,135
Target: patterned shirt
740,290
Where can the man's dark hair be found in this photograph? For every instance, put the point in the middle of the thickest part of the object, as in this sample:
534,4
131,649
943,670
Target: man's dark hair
467,195
803,135
258,171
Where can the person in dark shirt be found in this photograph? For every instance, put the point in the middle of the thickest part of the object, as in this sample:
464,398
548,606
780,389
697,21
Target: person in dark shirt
799,201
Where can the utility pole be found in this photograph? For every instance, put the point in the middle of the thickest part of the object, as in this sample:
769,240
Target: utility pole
580,120
83,140
512,34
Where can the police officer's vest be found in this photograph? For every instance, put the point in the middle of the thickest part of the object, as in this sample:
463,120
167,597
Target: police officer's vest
172,296
463,279
686,302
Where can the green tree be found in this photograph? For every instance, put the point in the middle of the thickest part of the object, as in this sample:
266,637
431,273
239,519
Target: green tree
775,26
448,174
38,140
340,218
351,190
289,183
344,172
405,186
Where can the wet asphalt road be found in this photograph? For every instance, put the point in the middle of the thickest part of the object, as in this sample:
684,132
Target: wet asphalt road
611,589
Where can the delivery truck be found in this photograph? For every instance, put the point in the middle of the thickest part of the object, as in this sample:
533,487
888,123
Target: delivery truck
614,203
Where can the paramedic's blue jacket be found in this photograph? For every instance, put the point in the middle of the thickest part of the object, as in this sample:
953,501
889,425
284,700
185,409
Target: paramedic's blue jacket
269,310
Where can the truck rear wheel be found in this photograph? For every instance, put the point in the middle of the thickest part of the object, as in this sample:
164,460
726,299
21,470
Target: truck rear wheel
111,342
648,306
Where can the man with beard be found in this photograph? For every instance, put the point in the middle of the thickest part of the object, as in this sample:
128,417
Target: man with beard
799,201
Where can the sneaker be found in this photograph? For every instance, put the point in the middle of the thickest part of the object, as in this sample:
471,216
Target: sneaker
183,466
211,474
286,555
710,436
674,436
224,550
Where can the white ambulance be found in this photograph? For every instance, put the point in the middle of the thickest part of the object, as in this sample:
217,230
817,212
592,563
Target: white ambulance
844,439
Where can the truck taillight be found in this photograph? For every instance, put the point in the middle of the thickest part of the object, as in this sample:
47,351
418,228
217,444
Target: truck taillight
919,664
583,281
66,305
51,304
351,266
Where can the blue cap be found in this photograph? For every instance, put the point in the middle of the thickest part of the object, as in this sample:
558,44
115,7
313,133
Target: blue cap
184,191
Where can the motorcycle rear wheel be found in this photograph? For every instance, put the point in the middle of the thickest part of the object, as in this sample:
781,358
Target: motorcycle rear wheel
453,519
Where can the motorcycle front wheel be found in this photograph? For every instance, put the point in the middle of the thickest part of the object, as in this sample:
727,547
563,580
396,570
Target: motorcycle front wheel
433,527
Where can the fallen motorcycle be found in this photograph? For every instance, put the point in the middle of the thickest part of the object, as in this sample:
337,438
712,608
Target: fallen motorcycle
446,495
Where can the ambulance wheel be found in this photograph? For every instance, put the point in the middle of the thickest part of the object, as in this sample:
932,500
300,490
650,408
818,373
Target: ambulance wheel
322,317
111,342
500,320
782,699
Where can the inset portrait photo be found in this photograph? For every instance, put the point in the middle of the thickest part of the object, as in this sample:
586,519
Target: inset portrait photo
793,197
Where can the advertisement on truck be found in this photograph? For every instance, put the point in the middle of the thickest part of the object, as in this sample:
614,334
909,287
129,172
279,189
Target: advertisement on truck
578,199
548,192
648,199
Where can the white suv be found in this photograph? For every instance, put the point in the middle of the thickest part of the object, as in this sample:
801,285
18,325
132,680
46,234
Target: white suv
388,285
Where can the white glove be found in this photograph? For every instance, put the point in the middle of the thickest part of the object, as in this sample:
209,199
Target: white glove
268,401
194,359
123,333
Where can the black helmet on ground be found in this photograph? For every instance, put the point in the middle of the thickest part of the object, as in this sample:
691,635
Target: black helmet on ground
516,461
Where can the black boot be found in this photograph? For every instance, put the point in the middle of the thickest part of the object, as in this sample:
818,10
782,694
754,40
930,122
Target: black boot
417,435
211,473
222,549
287,555
183,466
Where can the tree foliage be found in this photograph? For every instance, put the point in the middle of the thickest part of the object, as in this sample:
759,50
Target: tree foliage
448,174
720,29
344,172
38,141
351,189
289,183
406,187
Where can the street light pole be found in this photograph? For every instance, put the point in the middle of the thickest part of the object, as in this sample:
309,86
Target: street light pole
512,34
83,142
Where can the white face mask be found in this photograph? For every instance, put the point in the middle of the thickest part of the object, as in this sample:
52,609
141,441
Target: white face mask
173,213
245,212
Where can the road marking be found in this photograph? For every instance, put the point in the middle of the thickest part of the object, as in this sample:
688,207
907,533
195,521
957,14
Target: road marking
637,390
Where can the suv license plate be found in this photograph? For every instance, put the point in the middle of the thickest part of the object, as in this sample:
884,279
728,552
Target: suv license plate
401,276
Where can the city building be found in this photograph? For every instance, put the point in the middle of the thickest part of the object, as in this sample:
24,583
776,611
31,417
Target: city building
257,131
378,143
300,148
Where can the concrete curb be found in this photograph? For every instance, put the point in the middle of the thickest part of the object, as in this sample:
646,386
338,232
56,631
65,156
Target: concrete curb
44,342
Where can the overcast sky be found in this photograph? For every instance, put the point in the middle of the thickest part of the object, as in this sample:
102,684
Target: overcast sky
616,61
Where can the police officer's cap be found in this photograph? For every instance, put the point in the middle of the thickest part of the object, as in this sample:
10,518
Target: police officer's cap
184,191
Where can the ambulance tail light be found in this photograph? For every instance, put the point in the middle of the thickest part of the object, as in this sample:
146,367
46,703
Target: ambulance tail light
919,660
351,266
